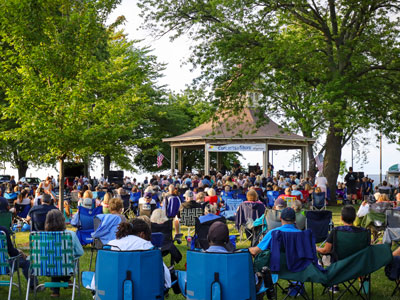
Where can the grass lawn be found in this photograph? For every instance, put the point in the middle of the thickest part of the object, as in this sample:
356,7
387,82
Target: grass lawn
381,287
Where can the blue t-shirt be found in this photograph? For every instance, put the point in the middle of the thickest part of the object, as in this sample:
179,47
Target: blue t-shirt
217,249
266,241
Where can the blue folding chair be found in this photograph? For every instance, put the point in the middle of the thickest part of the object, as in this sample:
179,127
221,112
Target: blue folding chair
157,239
22,210
8,265
320,223
318,201
272,195
85,223
135,275
231,206
99,194
10,196
242,197
212,276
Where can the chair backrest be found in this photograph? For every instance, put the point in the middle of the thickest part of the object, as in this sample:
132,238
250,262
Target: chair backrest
157,239
135,197
51,253
6,219
272,195
241,197
10,196
86,217
346,243
380,207
99,194
393,218
249,210
290,200
4,264
319,223
225,269
165,228
201,230
232,204
189,215
143,270
125,199
384,191
273,218
318,200
38,218
171,206
22,210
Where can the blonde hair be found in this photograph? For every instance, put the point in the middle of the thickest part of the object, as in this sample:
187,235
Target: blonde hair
200,197
107,198
383,198
318,190
115,205
88,194
252,195
211,192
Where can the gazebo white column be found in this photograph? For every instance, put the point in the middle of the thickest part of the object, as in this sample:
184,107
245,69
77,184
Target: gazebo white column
265,160
172,160
206,161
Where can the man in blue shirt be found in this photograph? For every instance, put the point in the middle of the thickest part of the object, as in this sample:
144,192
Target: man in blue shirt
288,218
218,238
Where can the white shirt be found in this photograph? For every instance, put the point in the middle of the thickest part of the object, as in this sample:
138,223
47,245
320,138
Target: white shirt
133,242
321,182
142,200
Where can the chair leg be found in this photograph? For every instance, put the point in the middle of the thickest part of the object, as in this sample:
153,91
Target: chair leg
19,279
27,286
73,288
91,257
11,279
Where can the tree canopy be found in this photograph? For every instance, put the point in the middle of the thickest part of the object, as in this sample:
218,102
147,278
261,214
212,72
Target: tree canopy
325,66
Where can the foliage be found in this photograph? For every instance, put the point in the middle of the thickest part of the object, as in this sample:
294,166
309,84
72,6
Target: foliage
326,66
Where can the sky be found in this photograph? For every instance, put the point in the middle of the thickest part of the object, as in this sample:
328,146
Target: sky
177,75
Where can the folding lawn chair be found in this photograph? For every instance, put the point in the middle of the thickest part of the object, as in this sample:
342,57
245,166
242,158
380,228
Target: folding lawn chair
320,223
201,232
230,209
51,255
168,246
105,227
272,196
246,214
6,219
135,275
85,223
8,265
212,276
392,272
188,217
392,230
318,201
345,244
375,221
22,210
295,266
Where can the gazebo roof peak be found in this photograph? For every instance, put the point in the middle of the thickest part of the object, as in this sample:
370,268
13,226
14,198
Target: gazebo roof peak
242,126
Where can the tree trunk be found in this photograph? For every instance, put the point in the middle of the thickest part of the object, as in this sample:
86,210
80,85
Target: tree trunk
61,185
333,154
22,168
312,169
107,164
86,168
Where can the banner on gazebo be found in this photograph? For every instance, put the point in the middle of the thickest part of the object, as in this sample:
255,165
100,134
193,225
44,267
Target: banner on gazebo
235,147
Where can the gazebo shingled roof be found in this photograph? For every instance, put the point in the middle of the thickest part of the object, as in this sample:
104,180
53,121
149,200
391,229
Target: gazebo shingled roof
239,129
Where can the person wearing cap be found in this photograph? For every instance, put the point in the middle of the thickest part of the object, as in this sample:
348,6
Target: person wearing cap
189,202
288,219
218,238
147,204
279,204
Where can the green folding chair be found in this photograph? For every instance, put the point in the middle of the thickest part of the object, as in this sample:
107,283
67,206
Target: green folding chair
6,221
345,244
8,265
51,255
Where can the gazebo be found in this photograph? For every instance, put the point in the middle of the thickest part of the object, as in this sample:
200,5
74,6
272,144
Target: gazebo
238,133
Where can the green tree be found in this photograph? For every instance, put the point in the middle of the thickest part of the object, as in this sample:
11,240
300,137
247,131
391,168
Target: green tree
336,63
57,46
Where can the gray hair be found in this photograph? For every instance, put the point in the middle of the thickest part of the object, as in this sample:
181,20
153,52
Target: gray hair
55,221
297,205
158,216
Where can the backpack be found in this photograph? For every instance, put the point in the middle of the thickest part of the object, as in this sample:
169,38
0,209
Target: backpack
172,206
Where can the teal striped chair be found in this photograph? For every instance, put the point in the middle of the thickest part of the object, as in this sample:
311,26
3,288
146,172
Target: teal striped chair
51,255
8,265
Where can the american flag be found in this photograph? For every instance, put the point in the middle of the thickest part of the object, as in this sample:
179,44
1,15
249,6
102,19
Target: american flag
160,158
319,160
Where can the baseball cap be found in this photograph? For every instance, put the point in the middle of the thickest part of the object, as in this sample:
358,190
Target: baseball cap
189,194
280,203
218,233
148,195
87,203
288,214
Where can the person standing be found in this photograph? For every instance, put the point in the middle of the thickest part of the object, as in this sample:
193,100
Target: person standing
351,183
366,188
